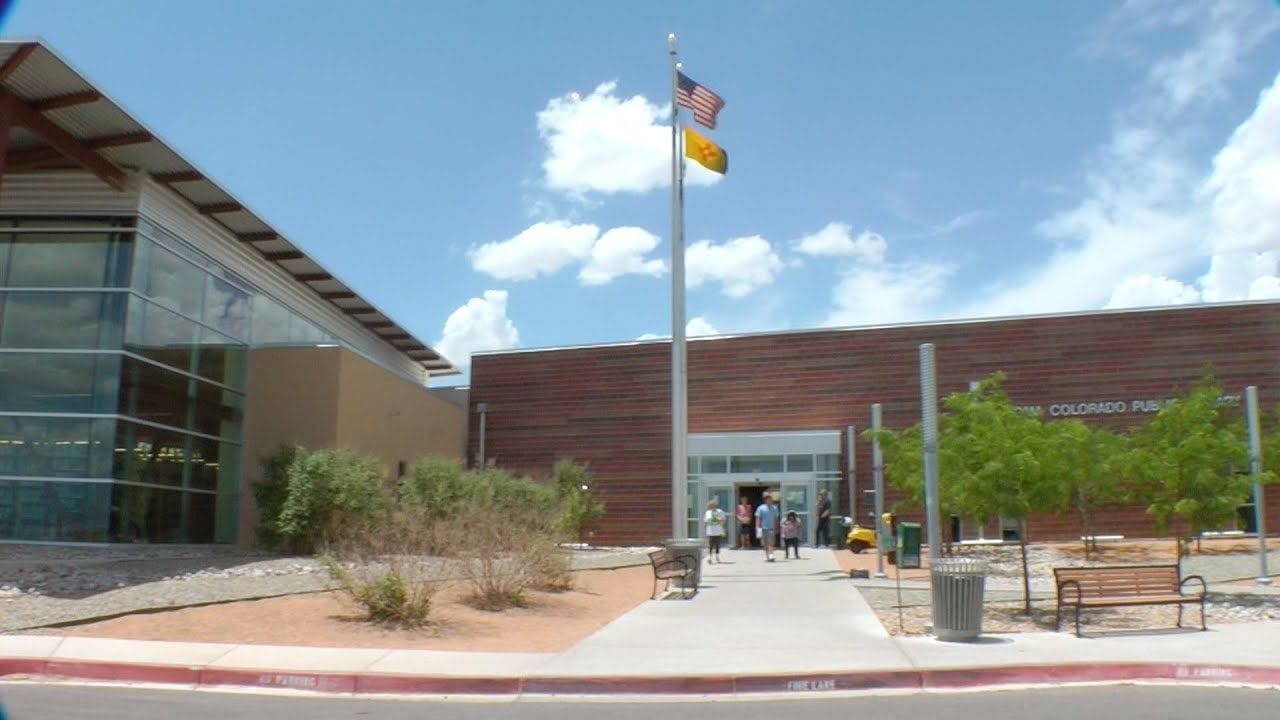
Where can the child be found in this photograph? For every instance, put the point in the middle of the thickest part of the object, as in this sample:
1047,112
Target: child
790,535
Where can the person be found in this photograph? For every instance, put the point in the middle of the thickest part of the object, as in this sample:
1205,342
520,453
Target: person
824,519
745,527
766,524
713,523
791,535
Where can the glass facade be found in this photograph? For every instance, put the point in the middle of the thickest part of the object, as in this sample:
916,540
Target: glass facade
123,364
796,478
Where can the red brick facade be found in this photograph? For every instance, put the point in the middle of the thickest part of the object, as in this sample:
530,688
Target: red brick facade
610,405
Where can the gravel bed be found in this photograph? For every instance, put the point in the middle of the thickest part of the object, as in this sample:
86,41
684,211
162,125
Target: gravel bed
48,585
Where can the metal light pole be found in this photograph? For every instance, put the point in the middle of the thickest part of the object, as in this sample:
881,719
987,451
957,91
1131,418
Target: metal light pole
1255,467
929,427
877,474
853,466
483,410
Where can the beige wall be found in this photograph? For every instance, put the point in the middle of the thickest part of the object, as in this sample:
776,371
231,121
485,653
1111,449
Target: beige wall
393,418
321,397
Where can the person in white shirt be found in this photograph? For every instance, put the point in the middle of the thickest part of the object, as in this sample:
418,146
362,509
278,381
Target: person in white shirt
714,528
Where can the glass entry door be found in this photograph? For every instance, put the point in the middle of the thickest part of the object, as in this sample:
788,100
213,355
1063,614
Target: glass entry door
795,498
723,495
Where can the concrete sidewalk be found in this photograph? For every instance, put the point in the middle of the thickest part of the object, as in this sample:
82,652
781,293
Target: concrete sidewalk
787,626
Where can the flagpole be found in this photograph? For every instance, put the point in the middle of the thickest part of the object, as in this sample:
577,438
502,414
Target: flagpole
679,381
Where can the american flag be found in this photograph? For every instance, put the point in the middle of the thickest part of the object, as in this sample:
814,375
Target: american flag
698,98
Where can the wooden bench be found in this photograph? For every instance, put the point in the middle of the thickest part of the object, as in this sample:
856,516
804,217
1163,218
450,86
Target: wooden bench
667,566
1124,586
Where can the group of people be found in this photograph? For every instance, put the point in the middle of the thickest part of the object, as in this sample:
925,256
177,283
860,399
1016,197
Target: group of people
766,524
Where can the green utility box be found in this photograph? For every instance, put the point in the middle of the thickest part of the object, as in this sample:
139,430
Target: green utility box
908,545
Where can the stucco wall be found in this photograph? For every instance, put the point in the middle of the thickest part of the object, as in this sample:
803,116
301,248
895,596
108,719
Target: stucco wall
610,406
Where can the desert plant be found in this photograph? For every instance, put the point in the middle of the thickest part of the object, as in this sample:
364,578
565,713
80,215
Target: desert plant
329,489
381,566
270,493
579,506
549,563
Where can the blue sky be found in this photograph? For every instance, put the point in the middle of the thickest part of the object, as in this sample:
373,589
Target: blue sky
496,174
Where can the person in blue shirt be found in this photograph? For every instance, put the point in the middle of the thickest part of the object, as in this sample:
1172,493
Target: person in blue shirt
767,525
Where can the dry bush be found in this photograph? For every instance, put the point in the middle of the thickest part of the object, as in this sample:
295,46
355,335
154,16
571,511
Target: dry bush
383,567
549,563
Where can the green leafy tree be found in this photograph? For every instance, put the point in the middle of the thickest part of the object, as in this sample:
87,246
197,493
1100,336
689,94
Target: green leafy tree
1191,460
1089,465
997,465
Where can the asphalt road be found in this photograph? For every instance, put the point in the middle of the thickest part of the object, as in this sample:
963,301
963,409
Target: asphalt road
76,702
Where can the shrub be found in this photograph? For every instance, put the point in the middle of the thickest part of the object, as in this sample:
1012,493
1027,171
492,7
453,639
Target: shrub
328,490
270,492
579,507
380,564
439,485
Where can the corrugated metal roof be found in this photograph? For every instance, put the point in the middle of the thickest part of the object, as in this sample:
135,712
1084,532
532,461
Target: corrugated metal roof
46,83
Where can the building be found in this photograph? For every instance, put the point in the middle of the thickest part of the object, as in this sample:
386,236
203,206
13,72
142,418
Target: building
773,411
157,337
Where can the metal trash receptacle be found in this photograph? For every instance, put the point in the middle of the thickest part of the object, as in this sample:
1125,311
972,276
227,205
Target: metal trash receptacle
957,585
691,549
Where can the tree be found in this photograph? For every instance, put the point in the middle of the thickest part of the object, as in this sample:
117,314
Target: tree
1089,466
1192,458
998,463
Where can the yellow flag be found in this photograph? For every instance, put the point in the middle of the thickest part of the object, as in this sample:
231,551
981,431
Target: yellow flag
704,152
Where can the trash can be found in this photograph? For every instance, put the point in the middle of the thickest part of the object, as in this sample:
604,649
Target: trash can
692,550
957,597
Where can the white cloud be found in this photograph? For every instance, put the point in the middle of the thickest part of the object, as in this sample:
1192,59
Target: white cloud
887,294
837,240
1243,197
607,144
621,251
740,265
481,324
1145,211
540,249
1150,291
698,326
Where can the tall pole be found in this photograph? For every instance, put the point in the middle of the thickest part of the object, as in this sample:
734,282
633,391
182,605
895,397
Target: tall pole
679,382
1255,467
852,467
877,478
929,428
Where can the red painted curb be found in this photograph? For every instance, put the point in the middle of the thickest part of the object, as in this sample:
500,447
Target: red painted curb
380,683
417,684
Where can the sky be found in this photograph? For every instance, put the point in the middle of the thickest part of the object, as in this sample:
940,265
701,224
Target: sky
496,175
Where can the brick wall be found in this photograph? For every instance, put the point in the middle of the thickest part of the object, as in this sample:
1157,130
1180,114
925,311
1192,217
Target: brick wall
610,405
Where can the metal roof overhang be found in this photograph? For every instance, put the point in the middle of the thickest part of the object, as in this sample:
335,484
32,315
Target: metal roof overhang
57,119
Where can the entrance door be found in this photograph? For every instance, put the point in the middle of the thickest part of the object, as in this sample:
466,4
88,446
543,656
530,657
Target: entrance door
795,498
754,495
723,495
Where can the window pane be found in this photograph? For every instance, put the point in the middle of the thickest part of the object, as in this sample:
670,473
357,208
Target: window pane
51,510
5,242
218,411
50,260
201,517
270,322
214,465
61,320
55,447
58,382
149,455
828,463
799,463
756,463
156,333
302,332
715,464
173,282
226,308
151,393
146,514
221,359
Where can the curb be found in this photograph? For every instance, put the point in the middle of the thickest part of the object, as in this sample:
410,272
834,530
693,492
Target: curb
782,683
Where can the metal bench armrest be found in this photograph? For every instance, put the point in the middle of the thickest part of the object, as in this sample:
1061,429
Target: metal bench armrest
1063,586
1204,587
